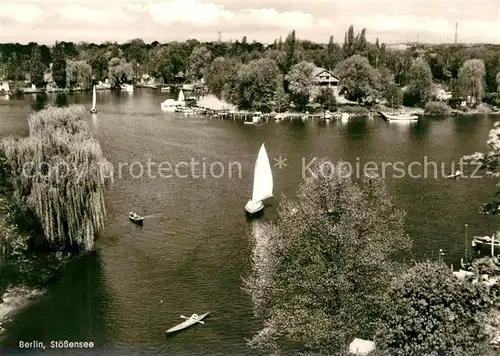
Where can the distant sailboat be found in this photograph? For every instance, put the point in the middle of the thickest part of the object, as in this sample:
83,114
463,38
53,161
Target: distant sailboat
171,105
262,183
94,99
181,97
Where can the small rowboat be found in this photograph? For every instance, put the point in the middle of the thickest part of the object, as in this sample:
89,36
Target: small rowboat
135,218
455,175
193,319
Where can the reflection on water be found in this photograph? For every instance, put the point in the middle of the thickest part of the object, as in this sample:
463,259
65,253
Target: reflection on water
80,295
61,100
405,126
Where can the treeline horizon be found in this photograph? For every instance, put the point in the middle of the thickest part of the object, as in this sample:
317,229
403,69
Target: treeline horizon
257,76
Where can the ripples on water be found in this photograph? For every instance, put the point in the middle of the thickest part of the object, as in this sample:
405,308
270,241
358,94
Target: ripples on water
191,253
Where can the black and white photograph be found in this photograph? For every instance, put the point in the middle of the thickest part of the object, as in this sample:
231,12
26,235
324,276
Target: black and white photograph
205,177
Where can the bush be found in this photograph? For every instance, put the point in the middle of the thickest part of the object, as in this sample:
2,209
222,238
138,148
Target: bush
491,98
410,99
354,109
437,108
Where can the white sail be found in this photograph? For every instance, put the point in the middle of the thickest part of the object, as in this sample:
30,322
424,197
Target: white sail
181,96
94,98
263,177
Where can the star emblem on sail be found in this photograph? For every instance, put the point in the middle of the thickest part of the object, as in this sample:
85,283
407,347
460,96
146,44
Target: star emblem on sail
280,162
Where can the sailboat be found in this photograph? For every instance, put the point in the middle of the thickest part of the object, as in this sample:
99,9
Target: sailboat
93,110
171,105
262,183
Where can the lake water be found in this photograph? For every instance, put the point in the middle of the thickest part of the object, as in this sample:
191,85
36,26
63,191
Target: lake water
191,254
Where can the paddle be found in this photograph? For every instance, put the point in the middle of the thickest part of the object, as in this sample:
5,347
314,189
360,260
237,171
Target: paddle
201,322
184,317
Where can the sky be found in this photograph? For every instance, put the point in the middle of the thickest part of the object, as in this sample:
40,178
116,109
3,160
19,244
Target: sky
392,21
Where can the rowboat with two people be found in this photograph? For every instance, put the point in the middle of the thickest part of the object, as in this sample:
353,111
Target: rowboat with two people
455,175
135,218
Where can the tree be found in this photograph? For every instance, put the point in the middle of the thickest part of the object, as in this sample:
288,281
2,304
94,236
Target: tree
168,61
290,57
332,55
300,83
119,71
36,67
136,51
256,85
432,312
199,59
221,71
281,97
14,69
99,64
471,78
326,98
490,162
394,95
386,78
319,274
438,67
498,82
78,74
358,78
362,44
420,80
349,42
59,65
60,138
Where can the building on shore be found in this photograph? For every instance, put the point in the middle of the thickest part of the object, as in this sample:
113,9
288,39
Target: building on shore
325,78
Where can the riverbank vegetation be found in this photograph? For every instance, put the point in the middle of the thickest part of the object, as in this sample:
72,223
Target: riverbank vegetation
369,72
325,273
52,191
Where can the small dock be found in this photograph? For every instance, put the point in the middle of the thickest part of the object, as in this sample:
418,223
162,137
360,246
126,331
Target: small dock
246,116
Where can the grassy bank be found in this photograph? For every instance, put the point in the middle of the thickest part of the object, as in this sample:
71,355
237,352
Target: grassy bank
51,198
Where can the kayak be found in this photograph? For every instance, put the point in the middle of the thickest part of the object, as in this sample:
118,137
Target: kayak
193,319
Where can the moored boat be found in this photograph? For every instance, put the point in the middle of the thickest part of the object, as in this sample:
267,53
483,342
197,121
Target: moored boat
193,319
127,87
188,111
257,117
399,116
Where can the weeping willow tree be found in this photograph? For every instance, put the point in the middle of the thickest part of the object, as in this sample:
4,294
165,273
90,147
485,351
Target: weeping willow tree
58,173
